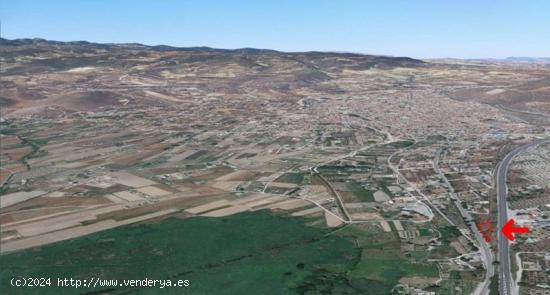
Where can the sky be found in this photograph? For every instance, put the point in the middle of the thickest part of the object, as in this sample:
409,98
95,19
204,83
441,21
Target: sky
415,28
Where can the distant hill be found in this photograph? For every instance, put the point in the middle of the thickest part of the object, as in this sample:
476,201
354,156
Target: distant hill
81,75
361,61
544,61
540,60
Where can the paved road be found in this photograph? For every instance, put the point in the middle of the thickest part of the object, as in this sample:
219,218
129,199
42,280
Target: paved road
485,250
505,285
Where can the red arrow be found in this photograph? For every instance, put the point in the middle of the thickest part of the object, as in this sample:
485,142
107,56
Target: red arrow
509,229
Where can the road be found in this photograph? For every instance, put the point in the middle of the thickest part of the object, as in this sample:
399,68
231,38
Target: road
484,248
339,202
334,192
336,195
427,201
505,284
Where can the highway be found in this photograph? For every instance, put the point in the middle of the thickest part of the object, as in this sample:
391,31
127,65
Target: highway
505,284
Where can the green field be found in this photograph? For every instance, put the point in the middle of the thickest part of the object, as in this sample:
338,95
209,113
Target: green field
362,194
291,177
402,143
250,253
382,260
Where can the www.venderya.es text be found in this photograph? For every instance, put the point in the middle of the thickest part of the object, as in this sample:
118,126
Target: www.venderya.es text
94,282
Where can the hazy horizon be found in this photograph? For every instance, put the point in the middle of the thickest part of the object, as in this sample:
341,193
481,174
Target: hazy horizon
428,29
270,49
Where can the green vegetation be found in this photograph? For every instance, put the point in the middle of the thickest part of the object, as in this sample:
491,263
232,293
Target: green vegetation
266,253
39,141
36,152
275,190
425,232
402,143
361,193
5,186
291,177
251,251
389,266
462,286
382,260
39,153
8,130
340,170
449,233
